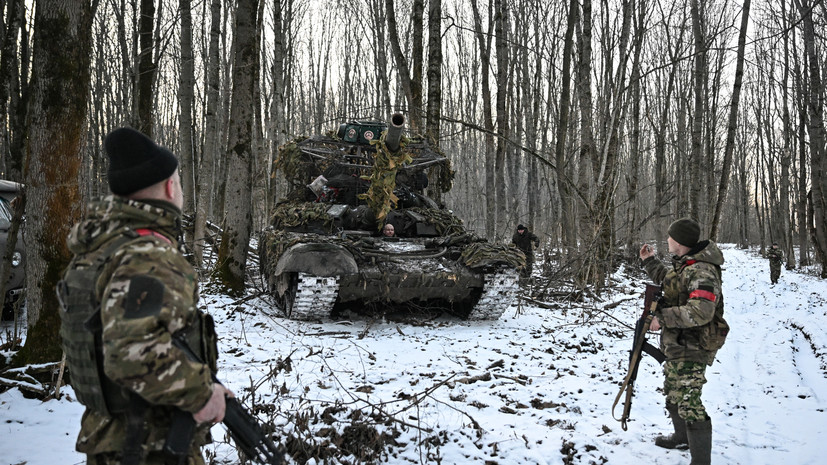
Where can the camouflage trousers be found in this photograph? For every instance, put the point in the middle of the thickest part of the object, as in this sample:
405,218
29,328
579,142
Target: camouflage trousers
775,272
682,385
152,458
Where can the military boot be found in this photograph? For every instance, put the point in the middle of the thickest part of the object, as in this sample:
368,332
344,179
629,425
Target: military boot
676,440
700,441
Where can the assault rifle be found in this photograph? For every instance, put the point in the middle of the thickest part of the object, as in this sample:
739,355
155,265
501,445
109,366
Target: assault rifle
639,345
243,427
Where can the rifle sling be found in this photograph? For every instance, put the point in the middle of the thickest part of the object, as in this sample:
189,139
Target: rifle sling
629,381
654,352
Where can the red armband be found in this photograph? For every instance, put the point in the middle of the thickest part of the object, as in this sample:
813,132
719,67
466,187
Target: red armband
702,294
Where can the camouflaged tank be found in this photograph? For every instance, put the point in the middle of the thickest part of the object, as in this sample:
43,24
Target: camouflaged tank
325,249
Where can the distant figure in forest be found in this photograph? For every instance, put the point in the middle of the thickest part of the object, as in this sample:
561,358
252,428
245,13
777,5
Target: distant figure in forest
776,256
524,239
690,316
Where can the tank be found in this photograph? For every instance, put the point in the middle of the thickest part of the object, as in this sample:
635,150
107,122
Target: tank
326,249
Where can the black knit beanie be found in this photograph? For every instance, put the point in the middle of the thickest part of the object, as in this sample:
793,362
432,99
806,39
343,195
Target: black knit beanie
136,161
685,231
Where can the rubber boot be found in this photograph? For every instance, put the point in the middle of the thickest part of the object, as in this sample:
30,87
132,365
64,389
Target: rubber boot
699,434
676,440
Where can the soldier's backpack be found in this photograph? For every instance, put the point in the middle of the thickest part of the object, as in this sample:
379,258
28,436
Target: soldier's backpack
81,331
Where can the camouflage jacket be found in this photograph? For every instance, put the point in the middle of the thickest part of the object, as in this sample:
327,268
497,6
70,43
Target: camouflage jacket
524,241
692,298
148,292
776,256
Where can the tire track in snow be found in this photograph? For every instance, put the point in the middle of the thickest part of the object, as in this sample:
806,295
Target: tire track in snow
764,386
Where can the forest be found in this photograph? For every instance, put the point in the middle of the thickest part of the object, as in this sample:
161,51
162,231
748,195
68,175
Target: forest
595,124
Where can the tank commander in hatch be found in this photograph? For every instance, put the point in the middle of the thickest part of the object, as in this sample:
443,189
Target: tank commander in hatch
130,276
388,231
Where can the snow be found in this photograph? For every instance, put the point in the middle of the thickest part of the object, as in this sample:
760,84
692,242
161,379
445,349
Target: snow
532,382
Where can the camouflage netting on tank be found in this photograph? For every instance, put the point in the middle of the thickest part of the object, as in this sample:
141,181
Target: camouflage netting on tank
380,197
299,214
481,254
446,223
272,245
292,162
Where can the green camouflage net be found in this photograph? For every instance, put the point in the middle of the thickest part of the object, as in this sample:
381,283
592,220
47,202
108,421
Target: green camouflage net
300,214
445,222
380,197
293,164
481,254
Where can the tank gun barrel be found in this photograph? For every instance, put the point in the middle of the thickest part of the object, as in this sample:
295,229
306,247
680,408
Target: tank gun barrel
394,135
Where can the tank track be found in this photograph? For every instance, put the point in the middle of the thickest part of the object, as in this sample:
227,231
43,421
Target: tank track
315,296
497,295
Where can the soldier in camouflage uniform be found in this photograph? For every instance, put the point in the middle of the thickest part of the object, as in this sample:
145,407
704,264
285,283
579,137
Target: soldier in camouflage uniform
776,256
524,239
690,315
147,292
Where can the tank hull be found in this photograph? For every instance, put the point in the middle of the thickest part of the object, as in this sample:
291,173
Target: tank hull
311,275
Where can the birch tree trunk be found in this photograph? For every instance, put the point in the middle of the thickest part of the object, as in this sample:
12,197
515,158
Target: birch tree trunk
60,91
235,240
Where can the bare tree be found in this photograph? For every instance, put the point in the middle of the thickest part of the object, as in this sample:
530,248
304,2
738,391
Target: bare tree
185,99
818,136
60,90
733,123
145,79
235,239
206,172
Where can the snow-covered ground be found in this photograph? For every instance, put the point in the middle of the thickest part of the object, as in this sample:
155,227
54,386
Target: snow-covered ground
535,386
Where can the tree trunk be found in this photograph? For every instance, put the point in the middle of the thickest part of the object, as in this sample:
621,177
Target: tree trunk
146,69
699,79
434,109
186,129
9,86
410,76
567,221
60,90
503,133
212,143
818,138
434,71
235,240
733,123
484,41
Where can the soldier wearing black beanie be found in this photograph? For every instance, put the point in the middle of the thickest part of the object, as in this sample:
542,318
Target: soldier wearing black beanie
136,161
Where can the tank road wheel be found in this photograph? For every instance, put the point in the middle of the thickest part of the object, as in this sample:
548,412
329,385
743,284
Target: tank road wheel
307,297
